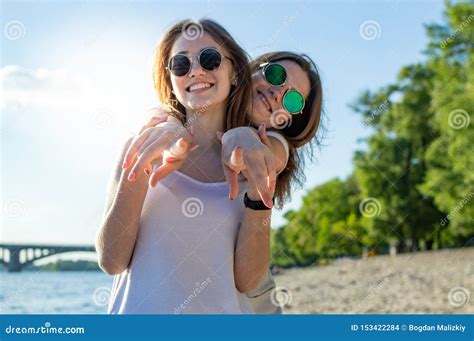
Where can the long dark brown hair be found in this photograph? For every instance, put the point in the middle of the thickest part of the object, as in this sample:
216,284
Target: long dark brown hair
305,131
240,93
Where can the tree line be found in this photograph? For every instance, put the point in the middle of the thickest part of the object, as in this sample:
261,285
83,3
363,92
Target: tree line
412,186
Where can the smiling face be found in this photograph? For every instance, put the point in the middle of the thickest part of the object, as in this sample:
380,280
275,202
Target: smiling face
267,99
201,88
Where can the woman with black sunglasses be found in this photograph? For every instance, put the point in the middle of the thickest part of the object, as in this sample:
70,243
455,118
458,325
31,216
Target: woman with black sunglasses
177,247
274,75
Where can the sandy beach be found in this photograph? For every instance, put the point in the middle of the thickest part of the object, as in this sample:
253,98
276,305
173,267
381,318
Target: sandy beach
437,282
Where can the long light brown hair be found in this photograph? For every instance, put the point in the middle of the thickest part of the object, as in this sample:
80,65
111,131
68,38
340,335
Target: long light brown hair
240,93
305,131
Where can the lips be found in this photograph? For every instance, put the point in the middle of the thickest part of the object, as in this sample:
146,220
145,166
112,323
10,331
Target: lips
199,86
265,101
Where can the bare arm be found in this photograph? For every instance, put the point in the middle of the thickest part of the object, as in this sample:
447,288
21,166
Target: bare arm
252,251
116,237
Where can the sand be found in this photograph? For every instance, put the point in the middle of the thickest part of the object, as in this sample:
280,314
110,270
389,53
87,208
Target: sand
436,282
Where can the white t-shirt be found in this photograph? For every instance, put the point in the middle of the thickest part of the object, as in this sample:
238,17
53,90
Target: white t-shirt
183,257
183,261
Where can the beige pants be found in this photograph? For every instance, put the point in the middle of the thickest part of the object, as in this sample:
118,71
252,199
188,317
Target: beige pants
260,298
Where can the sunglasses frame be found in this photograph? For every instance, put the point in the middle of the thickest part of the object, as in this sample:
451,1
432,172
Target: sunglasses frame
191,60
263,68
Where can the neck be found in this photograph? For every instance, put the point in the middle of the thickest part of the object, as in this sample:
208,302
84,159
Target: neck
205,125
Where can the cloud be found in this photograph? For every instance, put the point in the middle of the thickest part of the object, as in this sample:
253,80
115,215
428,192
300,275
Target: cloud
61,131
41,87
65,112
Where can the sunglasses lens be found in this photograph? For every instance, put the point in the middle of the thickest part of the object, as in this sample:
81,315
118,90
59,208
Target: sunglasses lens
210,59
293,101
179,65
275,74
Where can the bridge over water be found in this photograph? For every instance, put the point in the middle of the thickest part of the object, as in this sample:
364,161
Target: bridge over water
16,256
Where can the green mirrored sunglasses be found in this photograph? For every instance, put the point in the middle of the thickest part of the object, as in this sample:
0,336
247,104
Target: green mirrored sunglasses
275,75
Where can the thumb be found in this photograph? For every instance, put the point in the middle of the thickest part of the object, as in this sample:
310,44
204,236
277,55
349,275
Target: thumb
179,148
262,133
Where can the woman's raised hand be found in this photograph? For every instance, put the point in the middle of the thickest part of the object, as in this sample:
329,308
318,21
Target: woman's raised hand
245,151
159,149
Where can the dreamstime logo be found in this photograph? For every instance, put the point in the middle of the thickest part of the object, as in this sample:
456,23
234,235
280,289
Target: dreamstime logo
370,207
13,208
457,31
11,300
458,119
280,119
192,30
373,292
192,207
370,30
102,118
189,121
199,287
281,296
458,296
14,30
376,112
101,296
456,209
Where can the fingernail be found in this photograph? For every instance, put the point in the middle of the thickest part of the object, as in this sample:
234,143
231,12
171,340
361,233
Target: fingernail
131,176
196,146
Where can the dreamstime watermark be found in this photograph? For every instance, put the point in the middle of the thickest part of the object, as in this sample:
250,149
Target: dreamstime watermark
192,30
46,329
267,221
11,299
457,31
458,119
193,117
199,288
456,209
101,296
14,30
102,118
373,292
13,208
458,296
280,119
281,296
287,21
370,207
376,112
192,207
370,30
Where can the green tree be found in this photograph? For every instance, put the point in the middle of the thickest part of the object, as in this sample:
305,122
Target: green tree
326,226
450,177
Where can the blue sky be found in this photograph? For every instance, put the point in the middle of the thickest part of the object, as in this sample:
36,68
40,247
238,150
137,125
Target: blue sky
76,79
